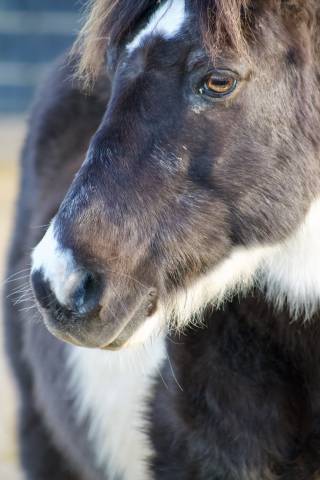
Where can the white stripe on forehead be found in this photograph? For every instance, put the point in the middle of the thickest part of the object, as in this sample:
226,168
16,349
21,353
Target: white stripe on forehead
166,21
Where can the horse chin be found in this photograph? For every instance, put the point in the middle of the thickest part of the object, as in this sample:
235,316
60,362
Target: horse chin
92,333
152,326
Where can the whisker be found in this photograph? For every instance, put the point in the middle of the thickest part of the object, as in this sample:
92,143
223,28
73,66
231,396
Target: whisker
129,277
24,309
23,299
173,374
124,307
112,313
17,273
24,294
18,290
162,379
16,279
40,226
173,342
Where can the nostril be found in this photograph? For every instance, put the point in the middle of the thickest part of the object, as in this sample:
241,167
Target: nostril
41,289
87,295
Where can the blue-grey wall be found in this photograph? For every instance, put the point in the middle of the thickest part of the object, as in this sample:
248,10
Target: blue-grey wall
32,34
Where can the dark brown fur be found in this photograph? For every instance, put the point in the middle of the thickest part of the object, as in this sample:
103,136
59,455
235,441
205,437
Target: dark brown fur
172,183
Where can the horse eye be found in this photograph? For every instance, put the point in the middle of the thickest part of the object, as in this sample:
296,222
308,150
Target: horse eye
218,86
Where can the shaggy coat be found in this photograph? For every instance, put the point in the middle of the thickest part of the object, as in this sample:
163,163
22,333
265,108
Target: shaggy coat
170,197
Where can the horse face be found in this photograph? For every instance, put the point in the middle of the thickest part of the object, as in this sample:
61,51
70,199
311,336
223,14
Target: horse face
199,170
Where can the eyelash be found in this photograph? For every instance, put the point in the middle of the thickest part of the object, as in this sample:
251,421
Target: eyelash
218,79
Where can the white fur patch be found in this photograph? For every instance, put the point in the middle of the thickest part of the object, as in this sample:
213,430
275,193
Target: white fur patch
288,272
166,21
234,275
152,327
111,390
57,265
292,273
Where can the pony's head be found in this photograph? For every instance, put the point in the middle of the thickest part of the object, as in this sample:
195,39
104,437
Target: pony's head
203,176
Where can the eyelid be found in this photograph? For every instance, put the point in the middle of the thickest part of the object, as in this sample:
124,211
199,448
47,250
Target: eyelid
202,89
223,72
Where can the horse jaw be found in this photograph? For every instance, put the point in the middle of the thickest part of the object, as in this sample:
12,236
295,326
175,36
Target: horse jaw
287,272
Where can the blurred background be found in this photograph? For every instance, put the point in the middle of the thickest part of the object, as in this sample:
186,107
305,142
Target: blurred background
32,34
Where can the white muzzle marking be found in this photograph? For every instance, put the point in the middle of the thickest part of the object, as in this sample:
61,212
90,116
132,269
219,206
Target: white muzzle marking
57,266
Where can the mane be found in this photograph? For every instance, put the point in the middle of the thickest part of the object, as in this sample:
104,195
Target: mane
221,22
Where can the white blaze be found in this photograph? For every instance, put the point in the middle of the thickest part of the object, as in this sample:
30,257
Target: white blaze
166,21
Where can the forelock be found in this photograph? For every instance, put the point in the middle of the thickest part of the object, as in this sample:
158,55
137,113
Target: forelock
223,23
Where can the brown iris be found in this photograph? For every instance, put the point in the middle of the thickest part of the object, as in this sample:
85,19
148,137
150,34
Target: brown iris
219,86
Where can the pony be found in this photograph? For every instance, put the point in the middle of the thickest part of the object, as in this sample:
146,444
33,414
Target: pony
173,157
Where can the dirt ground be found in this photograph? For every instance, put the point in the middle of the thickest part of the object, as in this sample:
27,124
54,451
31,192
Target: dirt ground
12,132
